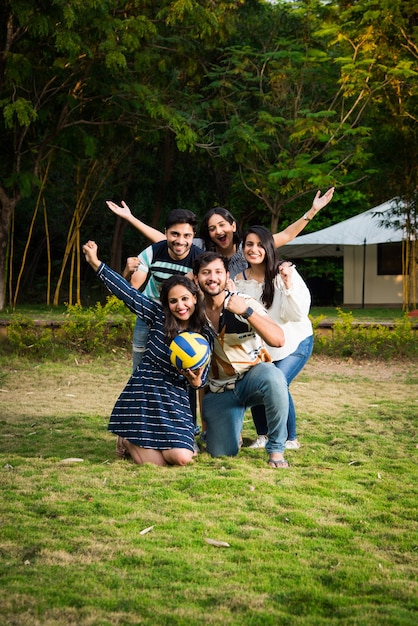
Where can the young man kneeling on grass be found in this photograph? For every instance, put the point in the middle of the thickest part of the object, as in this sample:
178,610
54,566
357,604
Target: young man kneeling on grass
241,374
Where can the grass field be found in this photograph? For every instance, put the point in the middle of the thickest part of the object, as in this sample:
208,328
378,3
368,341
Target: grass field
332,540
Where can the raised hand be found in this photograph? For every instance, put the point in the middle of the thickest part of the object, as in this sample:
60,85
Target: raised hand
121,211
90,250
286,271
320,201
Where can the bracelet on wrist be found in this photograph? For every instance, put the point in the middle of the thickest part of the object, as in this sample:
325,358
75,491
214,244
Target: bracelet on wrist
307,218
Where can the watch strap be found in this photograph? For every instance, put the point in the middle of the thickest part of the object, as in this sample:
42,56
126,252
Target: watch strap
249,311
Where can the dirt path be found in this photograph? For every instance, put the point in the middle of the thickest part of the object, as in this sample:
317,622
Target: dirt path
325,386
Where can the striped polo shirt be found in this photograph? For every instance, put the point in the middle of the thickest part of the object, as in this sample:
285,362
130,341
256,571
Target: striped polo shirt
157,263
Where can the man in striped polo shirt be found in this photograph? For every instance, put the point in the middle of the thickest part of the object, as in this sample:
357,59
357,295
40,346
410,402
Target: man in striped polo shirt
173,255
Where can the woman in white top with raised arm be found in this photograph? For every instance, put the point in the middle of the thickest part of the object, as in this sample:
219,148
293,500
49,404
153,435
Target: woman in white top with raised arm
282,291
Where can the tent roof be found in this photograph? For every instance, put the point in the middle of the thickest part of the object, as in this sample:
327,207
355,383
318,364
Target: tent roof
364,228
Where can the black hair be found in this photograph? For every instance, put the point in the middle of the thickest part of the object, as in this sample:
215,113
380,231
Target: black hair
198,319
181,216
271,261
204,229
208,257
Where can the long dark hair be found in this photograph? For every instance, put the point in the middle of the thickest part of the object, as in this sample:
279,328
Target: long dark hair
196,322
271,261
204,229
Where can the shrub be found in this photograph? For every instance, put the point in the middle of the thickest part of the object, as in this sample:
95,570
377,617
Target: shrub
373,341
28,339
100,329
94,330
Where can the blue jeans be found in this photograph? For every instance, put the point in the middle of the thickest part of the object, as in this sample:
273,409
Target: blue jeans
224,412
290,366
139,342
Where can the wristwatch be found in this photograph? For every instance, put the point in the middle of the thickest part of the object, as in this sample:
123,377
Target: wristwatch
247,313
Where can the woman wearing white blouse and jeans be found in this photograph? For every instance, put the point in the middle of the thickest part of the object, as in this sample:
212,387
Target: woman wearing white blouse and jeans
281,289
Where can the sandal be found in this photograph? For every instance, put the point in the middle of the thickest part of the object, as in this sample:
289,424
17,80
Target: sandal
278,463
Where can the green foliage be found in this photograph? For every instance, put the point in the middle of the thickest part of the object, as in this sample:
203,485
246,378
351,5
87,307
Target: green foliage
29,339
317,320
286,135
20,109
101,329
25,182
92,330
383,35
367,341
97,329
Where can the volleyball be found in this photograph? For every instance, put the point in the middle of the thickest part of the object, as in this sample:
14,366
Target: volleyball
189,351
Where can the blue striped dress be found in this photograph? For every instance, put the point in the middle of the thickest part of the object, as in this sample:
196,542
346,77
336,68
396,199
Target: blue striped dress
153,411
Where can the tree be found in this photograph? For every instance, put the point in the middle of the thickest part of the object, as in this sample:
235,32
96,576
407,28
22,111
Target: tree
379,50
76,77
191,103
284,114
46,89
383,33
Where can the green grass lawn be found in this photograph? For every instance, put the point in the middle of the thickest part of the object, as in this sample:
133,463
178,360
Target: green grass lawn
332,540
360,315
372,314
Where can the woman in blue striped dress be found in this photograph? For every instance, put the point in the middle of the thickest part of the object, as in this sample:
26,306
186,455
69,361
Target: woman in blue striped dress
152,415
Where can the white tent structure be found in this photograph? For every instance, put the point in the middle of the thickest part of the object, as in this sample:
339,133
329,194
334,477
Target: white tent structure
364,228
356,240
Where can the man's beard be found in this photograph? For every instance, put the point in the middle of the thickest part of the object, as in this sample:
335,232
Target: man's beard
219,289
178,254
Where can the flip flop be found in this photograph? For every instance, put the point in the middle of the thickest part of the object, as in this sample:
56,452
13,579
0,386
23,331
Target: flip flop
278,463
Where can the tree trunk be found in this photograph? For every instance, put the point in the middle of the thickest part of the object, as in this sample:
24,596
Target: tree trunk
168,160
7,206
274,223
116,261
